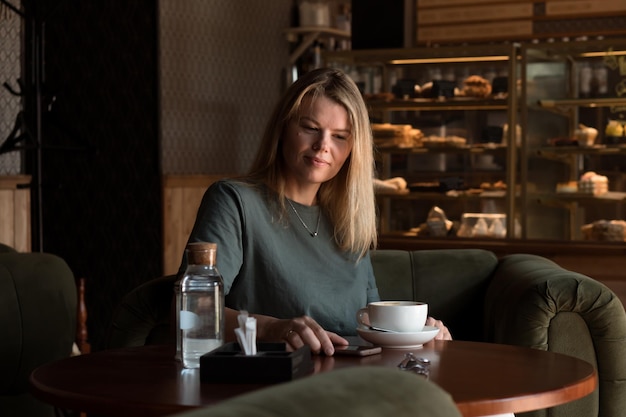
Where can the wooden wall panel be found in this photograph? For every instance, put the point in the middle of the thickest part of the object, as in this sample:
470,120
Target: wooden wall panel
491,12
445,3
460,21
7,217
22,240
15,212
182,195
583,8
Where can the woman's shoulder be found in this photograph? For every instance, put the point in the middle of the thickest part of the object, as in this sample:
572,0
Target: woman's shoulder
242,188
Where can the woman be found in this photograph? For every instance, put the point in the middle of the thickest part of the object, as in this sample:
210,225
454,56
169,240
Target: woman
294,234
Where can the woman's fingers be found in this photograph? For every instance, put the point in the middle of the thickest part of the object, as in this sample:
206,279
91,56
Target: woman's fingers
444,333
304,330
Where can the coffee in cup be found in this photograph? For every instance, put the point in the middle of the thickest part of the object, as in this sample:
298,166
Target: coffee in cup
397,316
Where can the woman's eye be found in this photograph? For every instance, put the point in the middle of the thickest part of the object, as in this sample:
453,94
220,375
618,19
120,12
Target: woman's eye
310,129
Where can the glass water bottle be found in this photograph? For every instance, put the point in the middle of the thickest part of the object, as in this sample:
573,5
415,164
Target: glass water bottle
201,315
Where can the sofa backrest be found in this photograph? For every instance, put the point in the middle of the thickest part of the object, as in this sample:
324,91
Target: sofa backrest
144,317
452,281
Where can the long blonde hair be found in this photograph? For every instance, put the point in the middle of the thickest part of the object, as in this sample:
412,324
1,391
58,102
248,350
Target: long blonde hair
348,198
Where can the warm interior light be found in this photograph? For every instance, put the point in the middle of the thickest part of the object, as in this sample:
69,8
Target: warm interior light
600,54
448,60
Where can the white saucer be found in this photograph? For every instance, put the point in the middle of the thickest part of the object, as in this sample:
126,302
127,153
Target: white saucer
398,340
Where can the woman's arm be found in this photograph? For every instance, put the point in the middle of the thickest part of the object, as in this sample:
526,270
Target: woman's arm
296,332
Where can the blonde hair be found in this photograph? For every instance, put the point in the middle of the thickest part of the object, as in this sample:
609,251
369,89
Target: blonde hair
348,198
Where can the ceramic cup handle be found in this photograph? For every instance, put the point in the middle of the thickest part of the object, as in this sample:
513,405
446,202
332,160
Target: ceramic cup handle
362,317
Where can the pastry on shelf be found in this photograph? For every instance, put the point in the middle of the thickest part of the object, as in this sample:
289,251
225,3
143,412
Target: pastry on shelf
585,135
392,135
493,186
439,141
396,185
437,222
592,183
614,133
567,187
605,231
476,86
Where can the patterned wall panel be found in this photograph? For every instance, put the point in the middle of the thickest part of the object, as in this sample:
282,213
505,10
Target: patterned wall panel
10,49
220,64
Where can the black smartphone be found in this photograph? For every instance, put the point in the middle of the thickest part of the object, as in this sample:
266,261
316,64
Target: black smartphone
357,350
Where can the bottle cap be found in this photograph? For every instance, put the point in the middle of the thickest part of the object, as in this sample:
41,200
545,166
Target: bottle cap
201,253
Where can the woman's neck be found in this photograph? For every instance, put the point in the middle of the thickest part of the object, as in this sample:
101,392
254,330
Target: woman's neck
306,197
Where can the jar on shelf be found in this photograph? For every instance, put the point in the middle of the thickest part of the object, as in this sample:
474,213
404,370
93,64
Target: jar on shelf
314,13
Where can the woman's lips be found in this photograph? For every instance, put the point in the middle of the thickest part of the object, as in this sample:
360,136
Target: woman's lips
316,161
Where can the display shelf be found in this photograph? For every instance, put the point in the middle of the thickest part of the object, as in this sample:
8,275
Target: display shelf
582,102
592,150
555,151
608,197
386,76
450,195
466,149
307,35
304,37
565,85
458,104
548,98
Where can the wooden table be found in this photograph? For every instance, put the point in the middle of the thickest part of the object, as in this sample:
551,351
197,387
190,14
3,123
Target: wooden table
482,378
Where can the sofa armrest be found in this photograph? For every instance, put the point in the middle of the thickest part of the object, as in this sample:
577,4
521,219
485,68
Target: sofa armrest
533,302
37,317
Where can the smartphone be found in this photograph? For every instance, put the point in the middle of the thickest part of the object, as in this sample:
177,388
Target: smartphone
356,350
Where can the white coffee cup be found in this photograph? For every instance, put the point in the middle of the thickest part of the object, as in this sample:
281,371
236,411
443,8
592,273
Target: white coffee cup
397,316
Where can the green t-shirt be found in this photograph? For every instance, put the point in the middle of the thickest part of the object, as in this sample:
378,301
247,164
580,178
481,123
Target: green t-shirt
274,266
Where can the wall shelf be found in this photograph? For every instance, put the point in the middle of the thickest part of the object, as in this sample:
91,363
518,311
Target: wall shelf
304,37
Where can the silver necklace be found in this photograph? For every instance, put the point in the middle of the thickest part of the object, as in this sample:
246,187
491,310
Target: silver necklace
319,215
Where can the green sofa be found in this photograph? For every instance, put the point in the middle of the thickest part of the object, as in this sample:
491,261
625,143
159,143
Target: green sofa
37,324
368,391
523,300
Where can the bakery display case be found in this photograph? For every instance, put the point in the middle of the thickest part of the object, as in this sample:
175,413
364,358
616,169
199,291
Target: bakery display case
573,181
447,160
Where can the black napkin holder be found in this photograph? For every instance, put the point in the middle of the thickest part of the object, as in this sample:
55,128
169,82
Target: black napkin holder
272,364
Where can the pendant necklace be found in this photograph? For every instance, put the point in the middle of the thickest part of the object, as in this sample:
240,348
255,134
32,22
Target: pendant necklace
317,228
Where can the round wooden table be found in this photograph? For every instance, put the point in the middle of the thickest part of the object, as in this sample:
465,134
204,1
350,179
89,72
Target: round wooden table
482,378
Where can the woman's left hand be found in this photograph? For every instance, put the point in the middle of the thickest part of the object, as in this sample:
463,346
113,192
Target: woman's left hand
444,333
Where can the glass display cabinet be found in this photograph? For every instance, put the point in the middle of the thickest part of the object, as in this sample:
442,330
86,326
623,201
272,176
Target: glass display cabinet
440,118
573,181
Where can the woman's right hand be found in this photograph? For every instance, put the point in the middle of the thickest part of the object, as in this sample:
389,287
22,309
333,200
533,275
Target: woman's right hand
296,332
301,331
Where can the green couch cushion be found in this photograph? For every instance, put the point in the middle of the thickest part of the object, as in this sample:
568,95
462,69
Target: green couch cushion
5,248
365,391
453,283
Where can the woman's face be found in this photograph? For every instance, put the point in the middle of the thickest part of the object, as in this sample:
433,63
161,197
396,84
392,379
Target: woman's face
316,144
